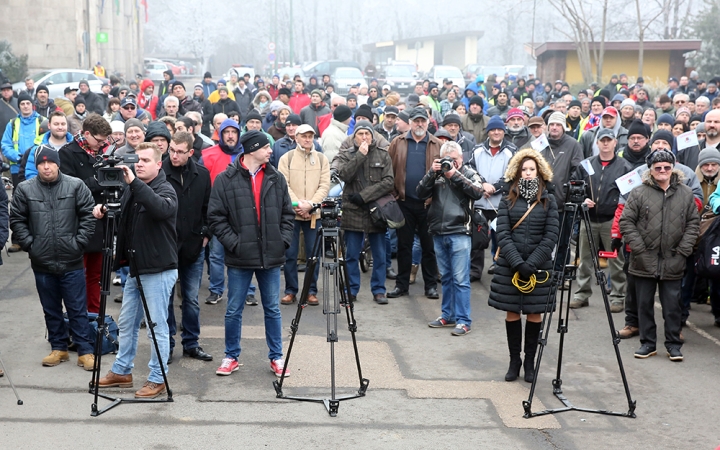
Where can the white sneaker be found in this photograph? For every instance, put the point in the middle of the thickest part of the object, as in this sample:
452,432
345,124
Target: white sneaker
116,280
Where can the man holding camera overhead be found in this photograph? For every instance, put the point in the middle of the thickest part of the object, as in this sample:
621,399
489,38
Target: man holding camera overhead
453,188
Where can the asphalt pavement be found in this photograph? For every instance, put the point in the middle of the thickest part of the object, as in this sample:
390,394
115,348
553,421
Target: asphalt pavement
427,389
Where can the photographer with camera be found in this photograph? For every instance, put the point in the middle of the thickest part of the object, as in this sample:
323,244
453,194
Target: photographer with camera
602,197
367,172
51,217
147,242
307,172
251,215
453,187
78,160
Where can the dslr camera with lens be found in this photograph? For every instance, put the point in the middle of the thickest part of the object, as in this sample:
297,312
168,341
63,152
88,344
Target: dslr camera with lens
447,164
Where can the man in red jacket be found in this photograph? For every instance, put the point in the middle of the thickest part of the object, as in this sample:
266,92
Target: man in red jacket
146,99
299,98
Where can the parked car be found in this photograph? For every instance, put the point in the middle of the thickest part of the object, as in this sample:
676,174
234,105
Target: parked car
439,73
57,80
400,77
154,70
327,67
344,77
470,72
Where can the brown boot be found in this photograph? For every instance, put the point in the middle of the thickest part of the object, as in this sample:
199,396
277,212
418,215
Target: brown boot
413,273
55,357
150,390
86,361
289,299
114,380
628,332
313,300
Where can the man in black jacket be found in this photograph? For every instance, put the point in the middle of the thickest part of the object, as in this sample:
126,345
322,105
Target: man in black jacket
93,102
191,182
147,242
51,216
602,200
251,214
78,158
453,190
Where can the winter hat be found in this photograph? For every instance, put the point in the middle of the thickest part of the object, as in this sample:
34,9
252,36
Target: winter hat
660,156
117,126
404,117
223,88
78,101
46,153
618,98
198,86
222,81
666,118
362,125
412,100
708,155
557,117
364,111
682,110
638,127
24,96
253,115
451,118
700,128
253,140
600,100
42,87
342,113
318,92
662,135
159,129
207,75
696,118
496,123
514,112
293,119
442,133
627,102
476,100
133,123
577,103
284,91
276,105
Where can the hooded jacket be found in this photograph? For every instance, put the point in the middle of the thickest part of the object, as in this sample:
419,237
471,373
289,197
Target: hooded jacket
218,157
660,227
263,109
148,103
47,109
563,155
26,135
589,143
332,138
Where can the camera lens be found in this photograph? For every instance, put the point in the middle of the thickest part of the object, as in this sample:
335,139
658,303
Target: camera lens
111,176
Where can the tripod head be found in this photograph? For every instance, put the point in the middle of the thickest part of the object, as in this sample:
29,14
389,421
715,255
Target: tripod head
329,211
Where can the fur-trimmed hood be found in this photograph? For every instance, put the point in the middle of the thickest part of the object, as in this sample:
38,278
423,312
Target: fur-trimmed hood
544,169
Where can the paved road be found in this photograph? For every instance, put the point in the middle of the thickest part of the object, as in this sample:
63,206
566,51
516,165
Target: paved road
428,389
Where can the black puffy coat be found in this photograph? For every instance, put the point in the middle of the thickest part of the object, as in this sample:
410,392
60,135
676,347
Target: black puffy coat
192,186
53,222
232,216
532,242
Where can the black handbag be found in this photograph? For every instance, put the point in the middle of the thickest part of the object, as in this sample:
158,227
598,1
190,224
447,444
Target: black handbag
387,212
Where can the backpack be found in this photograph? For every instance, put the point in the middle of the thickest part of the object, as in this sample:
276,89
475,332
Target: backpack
707,262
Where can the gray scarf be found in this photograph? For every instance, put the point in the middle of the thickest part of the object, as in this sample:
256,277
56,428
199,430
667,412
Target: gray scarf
529,188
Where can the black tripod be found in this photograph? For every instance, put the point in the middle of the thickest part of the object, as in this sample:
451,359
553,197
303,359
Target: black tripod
5,373
113,209
335,282
568,272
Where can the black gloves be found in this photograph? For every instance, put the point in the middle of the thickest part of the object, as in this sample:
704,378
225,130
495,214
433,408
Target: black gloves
525,271
357,199
616,244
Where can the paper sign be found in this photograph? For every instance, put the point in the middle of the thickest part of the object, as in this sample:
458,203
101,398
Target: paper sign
585,163
686,140
628,182
540,143
493,224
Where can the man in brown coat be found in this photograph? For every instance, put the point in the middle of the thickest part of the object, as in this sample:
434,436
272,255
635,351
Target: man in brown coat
412,157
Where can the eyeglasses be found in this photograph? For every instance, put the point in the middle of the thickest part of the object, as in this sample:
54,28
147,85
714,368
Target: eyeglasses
99,141
663,168
176,152
129,107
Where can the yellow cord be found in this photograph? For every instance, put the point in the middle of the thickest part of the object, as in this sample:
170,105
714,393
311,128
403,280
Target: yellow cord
528,286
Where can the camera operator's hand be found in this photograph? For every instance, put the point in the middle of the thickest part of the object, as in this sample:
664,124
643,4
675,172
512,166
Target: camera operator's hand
99,211
128,174
589,203
357,199
616,244
436,166
526,270
451,172
364,147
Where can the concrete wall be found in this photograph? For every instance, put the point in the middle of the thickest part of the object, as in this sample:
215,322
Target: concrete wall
454,53
51,33
424,57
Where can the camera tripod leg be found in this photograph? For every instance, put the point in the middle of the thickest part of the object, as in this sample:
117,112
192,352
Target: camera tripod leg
7,374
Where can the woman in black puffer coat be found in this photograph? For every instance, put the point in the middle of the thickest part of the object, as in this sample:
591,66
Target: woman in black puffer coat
527,249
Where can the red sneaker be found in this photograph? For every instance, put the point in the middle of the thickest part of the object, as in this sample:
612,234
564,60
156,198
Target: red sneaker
276,365
228,366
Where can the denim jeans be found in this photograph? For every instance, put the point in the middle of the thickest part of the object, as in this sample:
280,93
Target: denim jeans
217,268
269,284
68,288
453,257
291,254
353,246
157,288
190,278
123,273
416,251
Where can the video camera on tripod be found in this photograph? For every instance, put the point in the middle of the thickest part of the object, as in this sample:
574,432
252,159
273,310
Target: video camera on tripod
111,177
575,191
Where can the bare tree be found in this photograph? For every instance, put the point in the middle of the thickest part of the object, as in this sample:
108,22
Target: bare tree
642,29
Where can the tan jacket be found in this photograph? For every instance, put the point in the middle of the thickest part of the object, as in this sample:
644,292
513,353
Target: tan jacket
398,156
307,175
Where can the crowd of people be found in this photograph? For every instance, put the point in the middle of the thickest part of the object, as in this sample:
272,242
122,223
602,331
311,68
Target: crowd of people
230,174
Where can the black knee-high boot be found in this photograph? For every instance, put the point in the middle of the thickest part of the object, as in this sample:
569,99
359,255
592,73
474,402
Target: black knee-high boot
532,335
514,337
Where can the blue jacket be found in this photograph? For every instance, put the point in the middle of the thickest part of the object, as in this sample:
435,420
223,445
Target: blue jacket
26,139
283,146
208,88
30,168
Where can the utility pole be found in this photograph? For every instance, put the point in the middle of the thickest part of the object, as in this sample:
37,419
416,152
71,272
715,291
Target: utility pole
275,40
292,43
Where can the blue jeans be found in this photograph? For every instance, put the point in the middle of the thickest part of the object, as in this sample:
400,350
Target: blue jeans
269,284
190,278
123,274
68,288
416,251
353,246
157,288
291,272
217,268
453,256
390,245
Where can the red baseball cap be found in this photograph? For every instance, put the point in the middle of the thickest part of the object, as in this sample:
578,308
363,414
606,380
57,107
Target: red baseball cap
610,111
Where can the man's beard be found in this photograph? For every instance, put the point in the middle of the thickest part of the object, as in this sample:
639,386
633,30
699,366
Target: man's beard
515,129
711,133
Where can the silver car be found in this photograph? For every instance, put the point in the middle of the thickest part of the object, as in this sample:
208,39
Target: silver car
345,77
58,79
